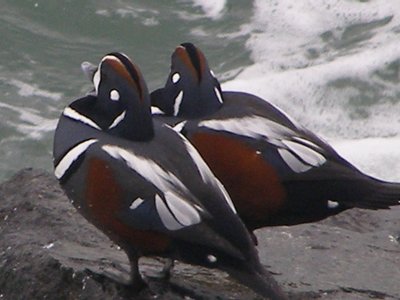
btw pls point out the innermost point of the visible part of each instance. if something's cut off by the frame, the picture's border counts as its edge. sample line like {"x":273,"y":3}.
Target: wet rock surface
{"x":48,"y":251}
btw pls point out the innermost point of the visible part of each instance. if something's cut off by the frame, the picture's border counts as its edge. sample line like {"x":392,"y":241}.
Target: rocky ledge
{"x":48,"y":251}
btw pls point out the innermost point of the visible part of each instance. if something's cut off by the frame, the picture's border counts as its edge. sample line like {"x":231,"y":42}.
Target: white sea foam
{"x":378,"y":157}
{"x":320,"y":61}
{"x":212,"y":8}
{"x":30,"y":122}
{"x":28,"y":90}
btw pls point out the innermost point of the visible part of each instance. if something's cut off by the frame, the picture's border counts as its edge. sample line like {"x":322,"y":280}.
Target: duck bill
{"x":88,"y":69}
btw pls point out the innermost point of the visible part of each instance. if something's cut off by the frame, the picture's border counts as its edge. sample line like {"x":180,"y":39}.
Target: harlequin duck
{"x":276,"y":171}
{"x":145,"y":185}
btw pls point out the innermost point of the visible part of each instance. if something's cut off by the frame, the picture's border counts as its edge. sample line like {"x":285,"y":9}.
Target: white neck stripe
{"x":177,"y":104}
{"x":118,"y":120}
{"x":71,"y":156}
{"x":73,"y":114}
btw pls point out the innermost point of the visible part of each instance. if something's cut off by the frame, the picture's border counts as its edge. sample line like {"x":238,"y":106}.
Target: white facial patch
{"x":175,"y":77}
{"x":177,"y":104}
{"x":118,"y":120}
{"x":218,"y":94}
{"x":71,"y":156}
{"x":73,"y":114}
{"x":114,"y":95}
{"x":96,"y":80}
{"x":97,"y":75}
{"x":212,"y":73}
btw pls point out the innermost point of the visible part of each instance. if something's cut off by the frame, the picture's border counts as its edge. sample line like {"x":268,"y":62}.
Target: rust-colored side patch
{"x":251,"y":182}
{"x":103,"y":196}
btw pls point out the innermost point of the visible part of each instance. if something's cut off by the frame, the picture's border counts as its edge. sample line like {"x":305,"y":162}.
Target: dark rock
{"x":48,"y":251}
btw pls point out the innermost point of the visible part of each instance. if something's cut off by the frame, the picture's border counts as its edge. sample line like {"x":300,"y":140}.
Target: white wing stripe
{"x":165,"y":215}
{"x":276,"y":134}
{"x":184,"y":213}
{"x":71,"y":156}
{"x":254,"y":127}
{"x":293,"y":162}
{"x":308,"y":155}
{"x":73,"y":114}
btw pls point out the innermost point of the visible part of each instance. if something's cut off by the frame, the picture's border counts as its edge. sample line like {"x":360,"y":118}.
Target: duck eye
{"x":176,"y":77}
{"x":114,"y":95}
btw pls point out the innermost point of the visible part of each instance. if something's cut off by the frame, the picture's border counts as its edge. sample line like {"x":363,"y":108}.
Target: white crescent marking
{"x":177,"y":104}
{"x":71,"y":156}
{"x":216,"y":90}
{"x":118,"y":120}
{"x":73,"y":114}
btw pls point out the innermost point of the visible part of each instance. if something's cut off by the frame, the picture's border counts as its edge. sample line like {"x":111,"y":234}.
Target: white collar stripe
{"x":71,"y":156}
{"x":73,"y":114}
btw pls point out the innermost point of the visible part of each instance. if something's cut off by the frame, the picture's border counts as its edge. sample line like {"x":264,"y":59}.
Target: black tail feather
{"x":259,"y":281}
{"x":374,"y":194}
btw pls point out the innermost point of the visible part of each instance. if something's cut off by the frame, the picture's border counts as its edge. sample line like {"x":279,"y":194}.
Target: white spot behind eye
{"x":114,"y":95}
{"x":212,"y":73}
{"x":176,"y":77}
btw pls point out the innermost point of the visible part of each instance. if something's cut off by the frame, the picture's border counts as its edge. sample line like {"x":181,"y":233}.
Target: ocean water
{"x":331,"y":64}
